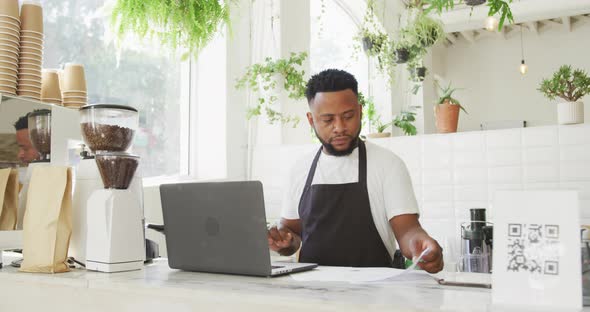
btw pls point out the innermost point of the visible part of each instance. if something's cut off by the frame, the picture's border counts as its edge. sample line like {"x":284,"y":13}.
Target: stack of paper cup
{"x":31,"y":50}
{"x":74,"y":94}
{"x":9,"y":45}
{"x":50,"y":90}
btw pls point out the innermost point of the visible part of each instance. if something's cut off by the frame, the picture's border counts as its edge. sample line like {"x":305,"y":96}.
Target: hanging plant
{"x":501,"y":7}
{"x":375,"y":42}
{"x":262,"y":78}
{"x":179,"y":24}
{"x":474,"y":2}
{"x":425,"y":30}
{"x":371,"y":35}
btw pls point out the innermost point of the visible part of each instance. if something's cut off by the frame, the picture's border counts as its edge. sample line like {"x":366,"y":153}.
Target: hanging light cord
{"x":521,"y":44}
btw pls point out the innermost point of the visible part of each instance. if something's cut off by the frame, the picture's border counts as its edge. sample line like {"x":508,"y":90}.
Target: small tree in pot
{"x":446,"y":110}
{"x":570,"y":85}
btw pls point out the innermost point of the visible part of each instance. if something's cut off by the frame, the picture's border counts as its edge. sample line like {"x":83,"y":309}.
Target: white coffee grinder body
{"x":87,"y":182}
{"x":115,"y":239}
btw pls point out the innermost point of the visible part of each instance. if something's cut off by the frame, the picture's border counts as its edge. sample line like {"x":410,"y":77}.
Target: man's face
{"x":26,"y":152}
{"x":336,"y":120}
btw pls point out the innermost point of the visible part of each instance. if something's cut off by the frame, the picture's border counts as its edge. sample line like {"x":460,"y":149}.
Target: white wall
{"x":494,"y":88}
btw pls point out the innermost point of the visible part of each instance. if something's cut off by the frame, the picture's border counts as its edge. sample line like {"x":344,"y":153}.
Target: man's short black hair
{"x":330,"y":80}
{"x":22,"y":123}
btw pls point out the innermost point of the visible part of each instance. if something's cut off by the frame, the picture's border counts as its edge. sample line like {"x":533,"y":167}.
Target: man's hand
{"x":432,"y":262}
{"x":413,"y":240}
{"x":279,"y":239}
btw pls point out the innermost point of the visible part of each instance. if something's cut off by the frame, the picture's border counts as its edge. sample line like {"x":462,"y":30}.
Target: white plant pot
{"x":570,"y":113}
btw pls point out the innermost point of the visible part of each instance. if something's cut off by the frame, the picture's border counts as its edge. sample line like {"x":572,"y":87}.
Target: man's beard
{"x":332,"y":151}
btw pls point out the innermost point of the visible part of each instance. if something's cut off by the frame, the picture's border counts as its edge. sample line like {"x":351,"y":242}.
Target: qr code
{"x":533,"y":248}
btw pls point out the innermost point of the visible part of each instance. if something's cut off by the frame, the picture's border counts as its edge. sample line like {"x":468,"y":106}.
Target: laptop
{"x":219,"y":227}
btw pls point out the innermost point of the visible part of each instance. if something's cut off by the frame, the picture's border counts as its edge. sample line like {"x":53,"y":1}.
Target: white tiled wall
{"x":454,"y":172}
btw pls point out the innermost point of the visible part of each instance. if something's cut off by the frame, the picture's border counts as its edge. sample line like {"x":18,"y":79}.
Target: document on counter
{"x":361,"y":275}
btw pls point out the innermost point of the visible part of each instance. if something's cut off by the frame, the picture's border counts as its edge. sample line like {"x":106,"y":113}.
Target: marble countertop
{"x":159,"y":288}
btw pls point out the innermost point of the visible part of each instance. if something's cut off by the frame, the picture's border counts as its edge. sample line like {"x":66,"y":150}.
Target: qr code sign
{"x":533,"y":248}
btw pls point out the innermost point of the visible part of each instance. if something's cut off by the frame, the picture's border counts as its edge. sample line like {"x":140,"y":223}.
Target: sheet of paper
{"x":359,"y":275}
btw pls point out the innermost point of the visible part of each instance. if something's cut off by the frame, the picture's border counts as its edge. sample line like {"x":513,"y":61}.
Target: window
{"x":332,"y":46}
{"x":144,"y":76}
{"x":332,"y":43}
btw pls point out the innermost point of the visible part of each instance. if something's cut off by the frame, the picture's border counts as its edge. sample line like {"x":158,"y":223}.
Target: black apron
{"x":337,"y":225}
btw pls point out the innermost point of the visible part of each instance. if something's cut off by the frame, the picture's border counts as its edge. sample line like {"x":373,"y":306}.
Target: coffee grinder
{"x":114,"y":212}
{"x":476,"y":243}
{"x":39,"y":125}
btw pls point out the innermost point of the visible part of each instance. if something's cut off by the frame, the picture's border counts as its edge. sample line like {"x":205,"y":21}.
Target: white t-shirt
{"x":388,"y":184}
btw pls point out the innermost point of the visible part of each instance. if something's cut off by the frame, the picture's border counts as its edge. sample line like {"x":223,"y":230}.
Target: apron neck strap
{"x":362,"y":164}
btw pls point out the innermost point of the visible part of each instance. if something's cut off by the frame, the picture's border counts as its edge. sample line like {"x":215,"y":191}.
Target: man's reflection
{"x":26,"y":152}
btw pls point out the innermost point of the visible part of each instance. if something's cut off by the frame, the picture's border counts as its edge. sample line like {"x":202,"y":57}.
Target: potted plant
{"x":177,"y":24}
{"x":372,"y":119}
{"x":474,"y":2}
{"x":402,"y":54}
{"x":404,"y":120}
{"x":495,"y":6}
{"x":416,"y":69}
{"x":263,"y":78}
{"x":372,"y":41}
{"x":570,"y":85}
{"x":425,"y":30}
{"x":446,"y":110}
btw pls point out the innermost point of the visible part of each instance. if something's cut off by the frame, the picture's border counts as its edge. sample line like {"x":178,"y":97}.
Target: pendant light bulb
{"x":491,"y":23}
{"x":523,"y":68}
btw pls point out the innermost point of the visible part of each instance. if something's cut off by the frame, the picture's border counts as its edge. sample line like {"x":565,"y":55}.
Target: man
{"x":26,"y":152}
{"x":347,"y":204}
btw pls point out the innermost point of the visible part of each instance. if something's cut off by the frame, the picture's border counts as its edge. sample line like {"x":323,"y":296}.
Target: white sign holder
{"x":537,"y":249}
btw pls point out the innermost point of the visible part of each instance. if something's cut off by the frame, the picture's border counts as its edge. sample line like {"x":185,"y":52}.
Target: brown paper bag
{"x":47,"y":226}
{"x":9,"y":198}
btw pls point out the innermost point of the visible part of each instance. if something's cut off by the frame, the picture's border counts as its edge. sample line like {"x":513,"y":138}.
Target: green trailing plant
{"x":447,"y":96}
{"x":567,"y":83}
{"x":375,"y":42}
{"x":501,"y":7}
{"x":184,"y":24}
{"x":262,"y":78}
{"x":321,"y":18}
